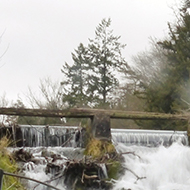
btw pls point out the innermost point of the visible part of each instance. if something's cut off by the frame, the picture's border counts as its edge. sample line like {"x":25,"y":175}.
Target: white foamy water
{"x":147,"y":168}
{"x":161,"y":168}
{"x":164,"y":167}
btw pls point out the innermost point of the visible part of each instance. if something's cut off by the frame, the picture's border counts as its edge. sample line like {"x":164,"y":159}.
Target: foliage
{"x":8,"y":164}
{"x":167,"y":95}
{"x":164,"y":84}
{"x":107,"y":57}
{"x":76,"y":78}
{"x":29,"y":120}
{"x":104,"y":152}
{"x":147,"y":69}
{"x":92,"y":77}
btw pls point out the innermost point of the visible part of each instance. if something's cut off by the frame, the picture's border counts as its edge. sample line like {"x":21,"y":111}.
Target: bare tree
{"x":6,"y":120}
{"x":4,"y":52}
{"x":146,"y":67}
{"x":49,"y":96}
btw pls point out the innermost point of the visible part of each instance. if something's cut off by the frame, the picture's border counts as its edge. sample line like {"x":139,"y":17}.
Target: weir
{"x":43,"y":135}
{"x":35,"y":136}
{"x":149,"y":138}
{"x":72,"y":136}
{"x":100,"y":119}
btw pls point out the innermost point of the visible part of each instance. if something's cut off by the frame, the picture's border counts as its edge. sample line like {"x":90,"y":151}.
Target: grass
{"x":97,"y":148}
{"x":8,"y":164}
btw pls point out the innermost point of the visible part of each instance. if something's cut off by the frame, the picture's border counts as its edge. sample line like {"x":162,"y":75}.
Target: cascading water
{"x":35,"y":136}
{"x":44,"y":168}
{"x":153,"y":160}
{"x":160,"y":168}
{"x":160,"y":162}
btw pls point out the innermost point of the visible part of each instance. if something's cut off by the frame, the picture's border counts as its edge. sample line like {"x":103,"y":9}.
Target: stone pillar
{"x":100,"y":127}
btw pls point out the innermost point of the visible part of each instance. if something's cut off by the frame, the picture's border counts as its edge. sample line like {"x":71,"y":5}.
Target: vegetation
{"x":100,"y":164}
{"x":92,"y":77}
{"x":8,"y":164}
{"x":165,"y":87}
{"x":98,"y":148}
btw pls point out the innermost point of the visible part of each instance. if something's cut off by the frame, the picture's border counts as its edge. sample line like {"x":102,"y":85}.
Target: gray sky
{"x":40,"y":35}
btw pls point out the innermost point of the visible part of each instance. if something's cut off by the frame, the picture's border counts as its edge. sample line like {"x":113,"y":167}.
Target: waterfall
{"x":149,"y":138}
{"x":158,"y":168}
{"x":35,"y":136}
{"x":153,"y":160}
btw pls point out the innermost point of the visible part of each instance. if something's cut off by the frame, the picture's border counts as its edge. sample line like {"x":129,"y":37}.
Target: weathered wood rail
{"x":90,"y":113}
{"x":100,"y":118}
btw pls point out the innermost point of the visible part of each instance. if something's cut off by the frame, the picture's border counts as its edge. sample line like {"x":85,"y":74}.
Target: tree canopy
{"x":167,"y":89}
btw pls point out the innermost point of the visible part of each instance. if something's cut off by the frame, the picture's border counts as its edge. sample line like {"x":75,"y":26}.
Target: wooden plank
{"x":89,"y":113}
{"x":75,"y":113}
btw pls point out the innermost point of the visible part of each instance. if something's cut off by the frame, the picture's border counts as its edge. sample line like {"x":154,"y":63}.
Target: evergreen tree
{"x":174,"y":88}
{"x":170,"y":93}
{"x":105,"y":50}
{"x":92,"y":77}
{"x":168,"y":89}
{"x":75,"y":82}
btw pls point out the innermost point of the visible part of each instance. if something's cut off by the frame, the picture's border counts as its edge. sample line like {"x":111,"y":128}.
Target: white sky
{"x":41,"y":34}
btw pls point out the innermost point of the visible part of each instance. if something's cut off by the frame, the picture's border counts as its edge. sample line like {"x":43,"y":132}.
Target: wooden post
{"x":1,"y":179}
{"x":188,"y":131}
{"x":101,"y":127}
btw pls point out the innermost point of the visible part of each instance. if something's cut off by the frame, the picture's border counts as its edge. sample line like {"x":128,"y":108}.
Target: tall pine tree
{"x":92,"y":77}
{"x":107,"y":58}
{"x":75,"y":78}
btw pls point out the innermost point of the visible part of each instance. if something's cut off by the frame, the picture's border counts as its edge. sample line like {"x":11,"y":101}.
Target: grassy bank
{"x":8,"y":164}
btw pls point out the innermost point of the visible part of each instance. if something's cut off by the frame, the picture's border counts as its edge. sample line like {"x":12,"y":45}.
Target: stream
{"x":153,"y":160}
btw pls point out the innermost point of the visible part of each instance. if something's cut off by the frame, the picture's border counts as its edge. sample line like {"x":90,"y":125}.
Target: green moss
{"x":98,"y":148}
{"x":113,"y":168}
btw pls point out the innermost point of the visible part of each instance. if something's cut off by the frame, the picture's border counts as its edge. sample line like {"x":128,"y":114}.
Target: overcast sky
{"x":39,"y":35}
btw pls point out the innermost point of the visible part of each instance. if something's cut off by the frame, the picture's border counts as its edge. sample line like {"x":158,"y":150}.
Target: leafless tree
{"x":49,"y":96}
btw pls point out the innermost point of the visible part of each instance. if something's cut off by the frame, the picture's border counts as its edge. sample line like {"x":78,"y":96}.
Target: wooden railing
{"x":100,"y":117}
{"x":89,"y":113}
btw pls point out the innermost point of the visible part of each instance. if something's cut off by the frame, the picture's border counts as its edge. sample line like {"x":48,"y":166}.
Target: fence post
{"x":1,"y":179}
{"x":188,"y":131}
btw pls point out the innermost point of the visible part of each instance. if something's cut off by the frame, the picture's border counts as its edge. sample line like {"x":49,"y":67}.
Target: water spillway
{"x":72,"y":136}
{"x":41,"y":135}
{"x":149,"y":138}
{"x":33,"y":136}
{"x":38,"y":135}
